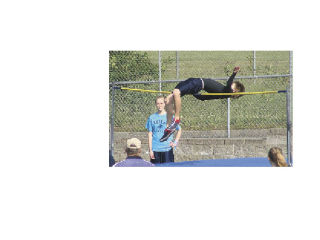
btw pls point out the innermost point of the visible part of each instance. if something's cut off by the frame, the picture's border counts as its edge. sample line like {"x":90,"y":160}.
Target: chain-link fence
{"x":154,"y":70}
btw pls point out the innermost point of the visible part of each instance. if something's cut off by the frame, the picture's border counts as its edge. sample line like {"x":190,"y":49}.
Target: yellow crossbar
{"x":239,"y":93}
{"x":144,"y":90}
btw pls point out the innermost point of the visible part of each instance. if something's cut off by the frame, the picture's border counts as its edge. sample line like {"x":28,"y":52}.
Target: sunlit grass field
{"x":211,"y":64}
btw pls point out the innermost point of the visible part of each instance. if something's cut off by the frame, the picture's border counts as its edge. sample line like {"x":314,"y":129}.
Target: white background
{"x":54,"y":177}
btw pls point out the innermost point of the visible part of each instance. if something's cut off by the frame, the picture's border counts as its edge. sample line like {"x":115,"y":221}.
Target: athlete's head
{"x":237,"y":86}
{"x":160,"y":103}
{"x":276,"y":158}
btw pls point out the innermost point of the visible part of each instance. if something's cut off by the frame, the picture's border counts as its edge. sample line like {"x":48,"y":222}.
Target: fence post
{"x":289,"y":111}
{"x":111,"y":144}
{"x":254,"y":63}
{"x":228,"y":118}
{"x":159,"y":70}
{"x":177,"y":65}
{"x":289,"y":127}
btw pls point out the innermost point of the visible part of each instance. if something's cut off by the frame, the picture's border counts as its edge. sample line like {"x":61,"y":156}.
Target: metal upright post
{"x":290,"y":62}
{"x":111,"y":144}
{"x":254,"y":67}
{"x":254,"y":63}
{"x":291,"y":72}
{"x":289,"y":127}
{"x":228,"y":118}
{"x":290,"y":106}
{"x":159,"y":70}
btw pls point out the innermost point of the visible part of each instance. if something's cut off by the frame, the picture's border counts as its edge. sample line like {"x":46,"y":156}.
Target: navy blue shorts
{"x":163,"y":157}
{"x":190,"y":86}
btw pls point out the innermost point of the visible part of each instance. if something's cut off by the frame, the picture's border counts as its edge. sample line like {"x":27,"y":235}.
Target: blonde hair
{"x":159,"y":98}
{"x":276,"y":158}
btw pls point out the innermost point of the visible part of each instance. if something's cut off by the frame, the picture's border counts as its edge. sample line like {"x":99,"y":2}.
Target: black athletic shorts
{"x":190,"y":86}
{"x":163,"y":157}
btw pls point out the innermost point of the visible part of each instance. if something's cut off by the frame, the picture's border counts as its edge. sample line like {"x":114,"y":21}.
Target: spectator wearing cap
{"x":133,"y":159}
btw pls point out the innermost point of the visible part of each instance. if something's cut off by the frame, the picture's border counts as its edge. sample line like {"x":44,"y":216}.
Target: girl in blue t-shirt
{"x":160,"y":152}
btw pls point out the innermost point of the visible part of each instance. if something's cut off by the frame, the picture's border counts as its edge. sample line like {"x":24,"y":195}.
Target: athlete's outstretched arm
{"x":230,"y":80}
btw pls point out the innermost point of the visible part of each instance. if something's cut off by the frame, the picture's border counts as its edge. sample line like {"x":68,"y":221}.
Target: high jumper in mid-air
{"x":193,"y":86}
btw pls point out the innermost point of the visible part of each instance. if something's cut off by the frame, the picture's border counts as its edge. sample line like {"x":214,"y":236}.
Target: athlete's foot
{"x":173,"y":125}
{"x":167,"y":134}
{"x":170,"y":130}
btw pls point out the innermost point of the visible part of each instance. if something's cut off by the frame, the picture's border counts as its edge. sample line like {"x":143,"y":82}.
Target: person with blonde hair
{"x":160,"y":152}
{"x":276,"y":157}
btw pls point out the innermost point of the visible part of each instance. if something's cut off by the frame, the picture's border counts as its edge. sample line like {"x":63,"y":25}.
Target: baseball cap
{"x":133,"y":143}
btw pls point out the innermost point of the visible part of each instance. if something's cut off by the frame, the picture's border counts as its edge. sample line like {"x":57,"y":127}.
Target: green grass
{"x":211,"y":64}
{"x":249,"y":112}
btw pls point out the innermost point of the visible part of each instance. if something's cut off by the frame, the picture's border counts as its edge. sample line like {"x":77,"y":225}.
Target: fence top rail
{"x":177,"y":80}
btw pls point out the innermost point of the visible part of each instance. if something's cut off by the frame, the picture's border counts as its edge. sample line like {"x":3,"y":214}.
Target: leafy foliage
{"x":131,"y":66}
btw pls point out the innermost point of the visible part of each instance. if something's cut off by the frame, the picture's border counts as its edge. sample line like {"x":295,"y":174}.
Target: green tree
{"x":131,"y":66}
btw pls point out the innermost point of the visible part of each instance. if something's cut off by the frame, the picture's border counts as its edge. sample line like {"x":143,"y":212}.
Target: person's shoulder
{"x":134,"y":162}
{"x":153,"y":115}
{"x":156,"y":115}
{"x":147,"y":163}
{"x":123,"y":163}
{"x":118,"y":164}
{"x":139,"y":161}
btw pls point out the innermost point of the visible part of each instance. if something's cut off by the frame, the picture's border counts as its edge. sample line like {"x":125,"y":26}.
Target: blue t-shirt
{"x":157,"y":124}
